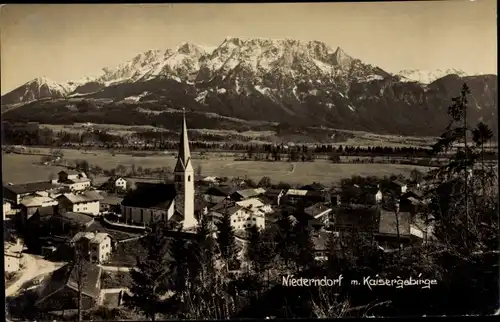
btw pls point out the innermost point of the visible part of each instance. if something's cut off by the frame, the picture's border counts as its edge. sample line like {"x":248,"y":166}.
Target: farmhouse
{"x":255,"y":205}
{"x":75,"y":181}
{"x":398,"y":227}
{"x":30,"y":205}
{"x":84,"y":202}
{"x":242,"y":218}
{"x":110,"y":203}
{"x":319,"y":211}
{"x":60,"y":292}
{"x":304,"y":198}
{"x":12,"y":257}
{"x":247,"y":194}
{"x":97,"y":246}
{"x":172,"y":202}
{"x":216,"y":194}
{"x":15,"y":193}
{"x":114,"y":183}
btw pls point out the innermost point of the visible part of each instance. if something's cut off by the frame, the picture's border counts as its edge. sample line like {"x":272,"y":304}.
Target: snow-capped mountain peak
{"x":427,"y":76}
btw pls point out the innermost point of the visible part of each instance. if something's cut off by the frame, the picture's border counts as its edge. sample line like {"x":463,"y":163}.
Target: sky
{"x":70,"y":41}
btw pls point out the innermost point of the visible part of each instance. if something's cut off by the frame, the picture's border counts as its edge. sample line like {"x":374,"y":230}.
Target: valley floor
{"x":18,"y":168}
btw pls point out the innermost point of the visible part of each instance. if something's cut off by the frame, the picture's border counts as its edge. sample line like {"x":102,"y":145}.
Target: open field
{"x":361,"y":139}
{"x":22,"y":168}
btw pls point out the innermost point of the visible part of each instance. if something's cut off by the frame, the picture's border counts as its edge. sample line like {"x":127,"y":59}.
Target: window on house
{"x":254,"y":219}
{"x":189,"y":178}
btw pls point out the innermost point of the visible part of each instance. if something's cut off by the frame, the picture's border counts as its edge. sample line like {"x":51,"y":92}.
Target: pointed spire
{"x":184,"y":155}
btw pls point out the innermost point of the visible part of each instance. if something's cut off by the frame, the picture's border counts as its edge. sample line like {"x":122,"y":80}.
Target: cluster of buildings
{"x":71,"y":198}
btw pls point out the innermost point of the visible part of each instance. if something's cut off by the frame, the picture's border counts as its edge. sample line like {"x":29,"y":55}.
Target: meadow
{"x":18,"y":168}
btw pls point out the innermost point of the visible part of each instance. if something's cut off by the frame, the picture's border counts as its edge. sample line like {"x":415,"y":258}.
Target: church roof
{"x":150,"y":195}
{"x":184,"y":155}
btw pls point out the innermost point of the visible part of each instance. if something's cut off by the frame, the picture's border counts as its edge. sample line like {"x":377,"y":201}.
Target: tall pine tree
{"x":226,"y":242}
{"x":150,"y":277}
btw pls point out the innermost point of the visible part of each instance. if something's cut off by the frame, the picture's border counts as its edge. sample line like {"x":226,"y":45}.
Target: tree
{"x":80,"y":268}
{"x":264,"y":182}
{"x":198,"y":170}
{"x":252,"y":250}
{"x":416,"y":176}
{"x":304,"y":250}
{"x":150,"y":277}
{"x":466,"y":218}
{"x":226,"y":240}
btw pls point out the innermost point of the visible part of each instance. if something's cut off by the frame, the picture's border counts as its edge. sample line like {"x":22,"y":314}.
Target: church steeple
{"x":184,"y":179}
{"x":184,"y":155}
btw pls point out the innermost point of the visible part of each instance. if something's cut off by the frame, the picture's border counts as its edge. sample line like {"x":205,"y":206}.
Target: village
{"x":51,"y":222}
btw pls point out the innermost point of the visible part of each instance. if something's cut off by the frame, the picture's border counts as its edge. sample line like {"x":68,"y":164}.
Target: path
{"x":34,"y":266}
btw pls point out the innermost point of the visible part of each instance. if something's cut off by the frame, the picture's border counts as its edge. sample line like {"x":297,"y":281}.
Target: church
{"x":172,"y":202}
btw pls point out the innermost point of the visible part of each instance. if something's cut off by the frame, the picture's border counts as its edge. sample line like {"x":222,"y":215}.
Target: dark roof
{"x":77,"y":217}
{"x":316,"y":209}
{"x":399,"y":183}
{"x":306,"y":218}
{"x":223,"y":204}
{"x":111,"y":200}
{"x":413,"y":193}
{"x":388,"y":223}
{"x":150,"y":195}
{"x":69,"y":172}
{"x":30,"y":187}
{"x":362,"y":218}
{"x":233,"y":209}
{"x":272,"y":192}
{"x":46,"y":211}
{"x":371,"y":189}
{"x":222,"y":190}
{"x":316,"y":186}
{"x":67,"y":275}
{"x":79,"y":197}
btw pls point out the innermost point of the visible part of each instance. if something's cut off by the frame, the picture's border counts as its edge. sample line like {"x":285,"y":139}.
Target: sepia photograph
{"x":216,"y":161}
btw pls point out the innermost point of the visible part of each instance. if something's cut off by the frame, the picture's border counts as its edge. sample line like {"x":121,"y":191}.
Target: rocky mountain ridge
{"x":291,"y":81}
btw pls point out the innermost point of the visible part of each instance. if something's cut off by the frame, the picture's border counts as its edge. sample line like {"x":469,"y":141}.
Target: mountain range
{"x":298,"y":83}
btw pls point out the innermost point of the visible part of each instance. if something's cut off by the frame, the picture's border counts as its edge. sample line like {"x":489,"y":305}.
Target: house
{"x":356,"y":218}
{"x":320,"y":242}
{"x":396,"y":187}
{"x":60,"y":291}
{"x":406,"y":233}
{"x":305,"y":219}
{"x":274,"y":195}
{"x":14,"y":193}
{"x":319,"y":211}
{"x":30,"y":204}
{"x":242,"y":218}
{"x":12,"y":257}
{"x":247,"y":194}
{"x":212,"y":180}
{"x":110,"y":203}
{"x":81,"y":220}
{"x":85,"y":202}
{"x":315,"y":186}
{"x":6,"y":209}
{"x":74,"y":180}
{"x":214,"y":195}
{"x":114,"y":183}
{"x":12,"y":262}
{"x":96,"y":245}
{"x":255,"y":205}
{"x":373,"y":195}
{"x":303,"y":198}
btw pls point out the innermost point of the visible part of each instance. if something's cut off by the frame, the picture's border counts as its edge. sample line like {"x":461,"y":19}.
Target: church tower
{"x":184,"y":179}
